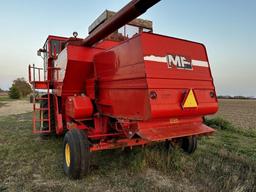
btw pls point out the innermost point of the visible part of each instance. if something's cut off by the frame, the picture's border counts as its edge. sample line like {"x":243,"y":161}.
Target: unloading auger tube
{"x":129,"y":12}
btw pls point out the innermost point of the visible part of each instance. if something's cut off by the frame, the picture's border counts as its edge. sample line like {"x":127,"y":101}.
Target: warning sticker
{"x":190,"y":100}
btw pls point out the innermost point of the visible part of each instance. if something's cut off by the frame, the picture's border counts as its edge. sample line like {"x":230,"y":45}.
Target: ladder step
{"x":41,"y":109}
{"x":40,"y":84}
{"x":41,"y":98}
{"x":41,"y":131}
{"x":40,"y":120}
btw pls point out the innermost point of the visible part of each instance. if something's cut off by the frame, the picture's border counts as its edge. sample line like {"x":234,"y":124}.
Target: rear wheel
{"x":76,"y":154}
{"x":189,"y":144}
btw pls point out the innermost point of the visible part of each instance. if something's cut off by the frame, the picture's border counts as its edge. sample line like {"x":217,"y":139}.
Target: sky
{"x":226,"y":27}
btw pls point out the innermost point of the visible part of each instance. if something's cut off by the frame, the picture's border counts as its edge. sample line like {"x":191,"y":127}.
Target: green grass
{"x":5,"y":98}
{"x":225,"y":161}
{"x":2,"y":104}
{"x":222,"y":124}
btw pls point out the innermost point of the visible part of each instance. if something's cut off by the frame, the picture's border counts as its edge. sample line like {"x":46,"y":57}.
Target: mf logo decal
{"x":179,"y":62}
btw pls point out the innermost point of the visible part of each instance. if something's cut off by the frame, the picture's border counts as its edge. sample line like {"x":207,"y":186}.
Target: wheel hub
{"x":67,"y":154}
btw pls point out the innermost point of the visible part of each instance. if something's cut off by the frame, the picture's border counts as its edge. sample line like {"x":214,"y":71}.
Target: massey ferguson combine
{"x":122,"y":86}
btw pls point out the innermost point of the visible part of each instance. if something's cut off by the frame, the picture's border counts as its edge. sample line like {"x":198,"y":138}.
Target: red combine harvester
{"x":122,"y":86}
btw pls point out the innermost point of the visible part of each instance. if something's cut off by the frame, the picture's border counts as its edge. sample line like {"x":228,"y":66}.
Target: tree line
{"x":20,"y":88}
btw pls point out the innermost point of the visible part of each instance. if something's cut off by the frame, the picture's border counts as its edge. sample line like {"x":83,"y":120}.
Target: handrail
{"x":33,"y":70}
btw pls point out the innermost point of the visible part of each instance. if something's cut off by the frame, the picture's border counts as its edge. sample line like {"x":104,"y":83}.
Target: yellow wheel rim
{"x":67,"y":154}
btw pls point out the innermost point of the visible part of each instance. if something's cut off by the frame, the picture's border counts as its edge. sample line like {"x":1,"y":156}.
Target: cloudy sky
{"x":227,"y":28}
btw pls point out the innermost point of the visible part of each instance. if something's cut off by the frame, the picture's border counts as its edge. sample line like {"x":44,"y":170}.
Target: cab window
{"x":55,"y":47}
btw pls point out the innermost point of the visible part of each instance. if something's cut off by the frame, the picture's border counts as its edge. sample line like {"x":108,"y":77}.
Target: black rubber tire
{"x":44,"y":104}
{"x":204,"y":119}
{"x":79,"y":154}
{"x":31,"y":98}
{"x":168,"y":145}
{"x":189,"y":144}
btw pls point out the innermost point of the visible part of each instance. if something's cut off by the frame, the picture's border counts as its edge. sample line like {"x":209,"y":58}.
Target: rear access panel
{"x":178,"y":74}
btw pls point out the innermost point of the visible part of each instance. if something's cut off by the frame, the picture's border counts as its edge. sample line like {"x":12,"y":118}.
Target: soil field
{"x":11,"y":107}
{"x":241,"y":113}
{"x":225,"y":161}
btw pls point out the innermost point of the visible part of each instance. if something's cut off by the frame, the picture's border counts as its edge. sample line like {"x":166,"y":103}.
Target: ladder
{"x":39,"y":121}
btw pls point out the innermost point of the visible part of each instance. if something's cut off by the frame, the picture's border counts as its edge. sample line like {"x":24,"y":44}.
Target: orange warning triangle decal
{"x":190,"y":100}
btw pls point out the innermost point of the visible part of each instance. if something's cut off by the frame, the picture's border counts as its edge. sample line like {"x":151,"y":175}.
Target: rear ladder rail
{"x":39,"y":84}
{"x":38,"y":113}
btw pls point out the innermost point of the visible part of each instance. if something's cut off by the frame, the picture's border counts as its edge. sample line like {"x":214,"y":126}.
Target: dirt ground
{"x":225,"y":161}
{"x":241,"y":113}
{"x":15,"y":107}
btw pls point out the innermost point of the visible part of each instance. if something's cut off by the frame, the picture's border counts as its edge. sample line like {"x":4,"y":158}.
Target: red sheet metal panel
{"x":122,"y":85}
{"x":75,"y":63}
{"x":169,"y":128}
{"x":171,"y":79}
{"x":79,"y":107}
{"x":128,"y":75}
{"x":159,"y":134}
